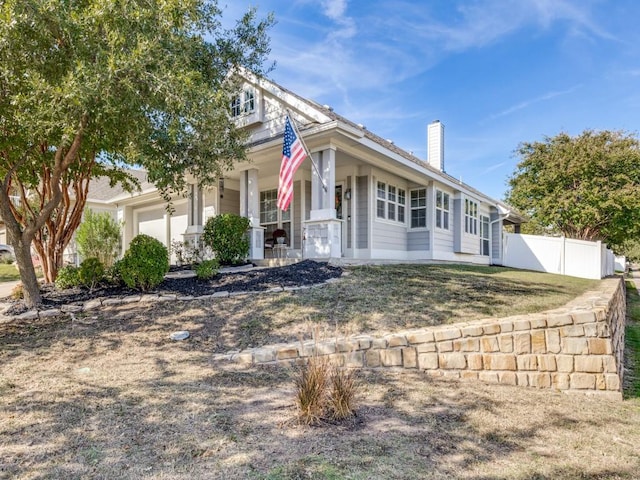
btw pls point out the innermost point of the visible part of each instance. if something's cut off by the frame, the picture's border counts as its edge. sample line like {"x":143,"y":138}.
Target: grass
{"x":409,"y":296}
{"x":632,"y":342}
{"x":8,"y":273}
{"x":367,"y":299}
{"x":109,"y":395}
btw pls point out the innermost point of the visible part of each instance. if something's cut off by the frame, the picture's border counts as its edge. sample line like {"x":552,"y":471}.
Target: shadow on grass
{"x":631,"y":380}
{"x":369,"y":299}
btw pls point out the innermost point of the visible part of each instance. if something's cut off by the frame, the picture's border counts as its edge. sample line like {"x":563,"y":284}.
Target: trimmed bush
{"x":68,"y":277}
{"x":144,"y":264}
{"x":226,"y":235}
{"x":207,"y":269}
{"x":91,"y":272}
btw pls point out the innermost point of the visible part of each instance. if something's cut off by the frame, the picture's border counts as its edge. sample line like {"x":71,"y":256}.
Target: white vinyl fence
{"x":565,"y":256}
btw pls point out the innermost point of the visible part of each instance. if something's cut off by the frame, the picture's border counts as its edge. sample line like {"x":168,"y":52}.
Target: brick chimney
{"x":435,"y":145}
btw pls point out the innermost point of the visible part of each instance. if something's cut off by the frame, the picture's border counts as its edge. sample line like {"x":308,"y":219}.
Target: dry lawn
{"x":110,"y":396}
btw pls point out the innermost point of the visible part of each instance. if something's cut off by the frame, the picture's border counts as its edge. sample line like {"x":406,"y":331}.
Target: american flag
{"x":293,"y":153}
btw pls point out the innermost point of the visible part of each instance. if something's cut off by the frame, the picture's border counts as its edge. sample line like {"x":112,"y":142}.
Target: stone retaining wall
{"x":576,"y":348}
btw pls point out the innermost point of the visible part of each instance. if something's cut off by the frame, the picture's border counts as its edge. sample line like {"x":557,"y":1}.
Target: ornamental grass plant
{"x":342,"y":394}
{"x":311,"y":381}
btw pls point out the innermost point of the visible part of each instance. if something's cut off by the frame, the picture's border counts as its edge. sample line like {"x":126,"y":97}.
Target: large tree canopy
{"x":585,"y":187}
{"x":92,"y":86}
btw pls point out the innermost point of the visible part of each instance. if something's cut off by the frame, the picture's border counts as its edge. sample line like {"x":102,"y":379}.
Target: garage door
{"x":179,"y":222}
{"x":152,"y":223}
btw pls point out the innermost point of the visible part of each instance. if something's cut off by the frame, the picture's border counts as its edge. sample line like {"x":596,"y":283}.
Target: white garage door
{"x":152,"y":223}
{"x":179,"y":221}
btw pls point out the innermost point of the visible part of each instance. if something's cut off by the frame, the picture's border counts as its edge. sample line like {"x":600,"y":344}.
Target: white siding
{"x":417,"y":240}
{"x":230,"y":201}
{"x":442,"y":240}
{"x":389,"y":237}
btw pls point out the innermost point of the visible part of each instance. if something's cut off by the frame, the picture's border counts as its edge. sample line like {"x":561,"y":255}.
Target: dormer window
{"x":244,"y":103}
{"x":235,"y":107}
{"x":249,"y":104}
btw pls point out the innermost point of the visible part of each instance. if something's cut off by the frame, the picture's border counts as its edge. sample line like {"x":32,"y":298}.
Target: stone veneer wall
{"x":576,"y":348}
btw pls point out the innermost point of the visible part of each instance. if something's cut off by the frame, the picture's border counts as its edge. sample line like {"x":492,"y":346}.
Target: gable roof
{"x":331,"y":116}
{"x":100,"y":190}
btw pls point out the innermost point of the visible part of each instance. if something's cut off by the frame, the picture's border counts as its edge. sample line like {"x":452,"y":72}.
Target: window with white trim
{"x":419,"y":208}
{"x":442,"y":210}
{"x":390,"y":202}
{"x":484,"y":235}
{"x":243,"y":103}
{"x":271,"y":216}
{"x":470,"y":217}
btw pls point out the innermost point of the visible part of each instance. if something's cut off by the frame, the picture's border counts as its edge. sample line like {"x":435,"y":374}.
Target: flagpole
{"x":304,"y":145}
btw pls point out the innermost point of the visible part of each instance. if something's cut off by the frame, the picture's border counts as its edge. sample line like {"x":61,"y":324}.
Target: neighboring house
{"x":381,"y":202}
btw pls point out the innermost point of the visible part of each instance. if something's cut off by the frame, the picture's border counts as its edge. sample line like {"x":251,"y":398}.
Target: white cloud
{"x":334,"y":9}
{"x":493,"y":167}
{"x":378,"y":45}
{"x":527,"y":103}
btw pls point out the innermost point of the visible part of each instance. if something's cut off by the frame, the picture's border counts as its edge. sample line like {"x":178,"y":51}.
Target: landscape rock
{"x":181,"y":335}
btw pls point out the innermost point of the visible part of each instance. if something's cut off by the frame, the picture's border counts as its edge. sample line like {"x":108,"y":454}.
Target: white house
{"x":381,"y":202}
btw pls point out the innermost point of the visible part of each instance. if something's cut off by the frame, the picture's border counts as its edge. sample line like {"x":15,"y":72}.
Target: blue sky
{"x":494,"y":72}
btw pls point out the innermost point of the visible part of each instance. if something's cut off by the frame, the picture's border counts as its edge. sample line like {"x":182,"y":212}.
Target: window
{"x":271,"y":217}
{"x":484,"y":235}
{"x":243,"y":103}
{"x":268,"y":207}
{"x":419,"y":208}
{"x":442,"y":210}
{"x":249,"y":104}
{"x":235,"y":107}
{"x":470,"y":217}
{"x":390,"y":202}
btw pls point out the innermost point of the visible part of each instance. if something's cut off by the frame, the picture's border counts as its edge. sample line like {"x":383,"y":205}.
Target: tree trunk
{"x":30,"y":285}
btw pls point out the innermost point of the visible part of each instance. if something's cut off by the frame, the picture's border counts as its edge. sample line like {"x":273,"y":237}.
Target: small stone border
{"x":145,"y":298}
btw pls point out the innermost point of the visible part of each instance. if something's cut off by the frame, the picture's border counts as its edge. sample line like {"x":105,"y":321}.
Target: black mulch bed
{"x":307,"y":272}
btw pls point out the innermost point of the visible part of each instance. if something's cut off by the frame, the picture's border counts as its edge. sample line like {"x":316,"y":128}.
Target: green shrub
{"x":112,"y":274}
{"x":226,"y":235}
{"x":91,"y":272}
{"x":207,"y":269}
{"x":144,"y":263}
{"x":99,"y":236}
{"x":68,"y":277}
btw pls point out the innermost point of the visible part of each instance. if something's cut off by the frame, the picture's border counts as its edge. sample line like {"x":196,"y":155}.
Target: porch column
{"x":124,"y":215}
{"x":250,"y":208}
{"x":194,"y":215}
{"x":323,"y":231}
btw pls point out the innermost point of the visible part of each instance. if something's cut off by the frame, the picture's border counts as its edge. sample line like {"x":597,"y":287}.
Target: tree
{"x":585,"y":187}
{"x":88,"y":88}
